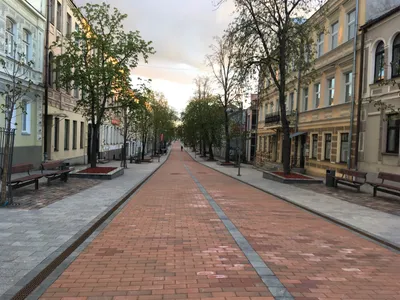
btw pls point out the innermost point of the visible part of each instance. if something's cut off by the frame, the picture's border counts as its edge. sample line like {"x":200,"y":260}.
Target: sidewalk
{"x":382,"y":226}
{"x":31,"y":239}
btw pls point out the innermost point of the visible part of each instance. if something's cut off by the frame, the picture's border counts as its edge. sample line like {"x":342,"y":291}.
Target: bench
{"x":58,"y":171}
{"x":17,"y":183}
{"x":384,"y":187}
{"x":349,"y":178}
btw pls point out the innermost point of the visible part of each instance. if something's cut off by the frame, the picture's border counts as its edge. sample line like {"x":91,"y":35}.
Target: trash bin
{"x":330,"y":178}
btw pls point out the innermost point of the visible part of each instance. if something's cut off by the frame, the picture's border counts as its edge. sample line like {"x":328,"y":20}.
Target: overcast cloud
{"x":181,"y":31}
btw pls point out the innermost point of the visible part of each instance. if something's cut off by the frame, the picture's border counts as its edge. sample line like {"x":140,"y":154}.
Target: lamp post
{"x":240,"y":136}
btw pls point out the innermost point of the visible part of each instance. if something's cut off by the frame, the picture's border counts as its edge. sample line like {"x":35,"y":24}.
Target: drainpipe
{"x":359,"y":102}
{"x":46,"y":84}
{"x":353,"y":87}
{"x":296,"y":128}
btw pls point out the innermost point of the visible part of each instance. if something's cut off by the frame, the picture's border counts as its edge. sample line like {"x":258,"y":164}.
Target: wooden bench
{"x":384,"y":187}
{"x":17,"y":183}
{"x":58,"y":171}
{"x":349,"y":178}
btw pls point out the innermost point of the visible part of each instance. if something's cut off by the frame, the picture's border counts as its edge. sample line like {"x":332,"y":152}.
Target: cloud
{"x":181,"y":32}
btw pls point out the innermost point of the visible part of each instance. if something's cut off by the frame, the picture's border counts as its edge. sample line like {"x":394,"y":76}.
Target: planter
{"x":102,"y":173}
{"x":291,"y":178}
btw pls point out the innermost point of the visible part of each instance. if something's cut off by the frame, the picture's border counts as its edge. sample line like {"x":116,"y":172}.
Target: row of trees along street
{"x":97,"y":60}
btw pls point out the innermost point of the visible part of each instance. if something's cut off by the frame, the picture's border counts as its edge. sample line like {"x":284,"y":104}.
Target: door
{"x":302,"y":150}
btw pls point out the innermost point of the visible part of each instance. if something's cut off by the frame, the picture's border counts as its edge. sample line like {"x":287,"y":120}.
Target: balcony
{"x":275,"y":117}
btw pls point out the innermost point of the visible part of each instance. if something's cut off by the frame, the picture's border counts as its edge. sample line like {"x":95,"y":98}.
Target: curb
{"x":383,"y":242}
{"x":26,"y":285}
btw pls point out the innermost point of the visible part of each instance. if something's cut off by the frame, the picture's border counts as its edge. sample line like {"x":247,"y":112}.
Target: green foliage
{"x":97,"y":58}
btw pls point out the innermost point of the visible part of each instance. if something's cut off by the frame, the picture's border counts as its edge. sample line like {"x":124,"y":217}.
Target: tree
{"x":228,"y":79}
{"x":142,"y":124}
{"x":272,"y":35}
{"x":19,"y":85}
{"x":96,"y":60}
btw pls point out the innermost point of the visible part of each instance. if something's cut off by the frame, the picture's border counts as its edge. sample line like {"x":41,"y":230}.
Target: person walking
{"x":181,"y":148}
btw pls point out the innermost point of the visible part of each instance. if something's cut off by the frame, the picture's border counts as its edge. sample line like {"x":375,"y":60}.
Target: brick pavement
{"x":168,"y":243}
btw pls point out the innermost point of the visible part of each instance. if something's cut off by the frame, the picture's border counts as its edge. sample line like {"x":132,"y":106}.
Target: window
{"x":344,"y":147}
{"x":50,"y":69}
{"x":361,"y":142}
{"x":76,"y":30}
{"x":56,"y":133}
{"x":10,"y":34}
{"x":334,"y":35}
{"x":320,"y":44}
{"x":351,"y":24}
{"x":82,"y":135}
{"x":379,"y":62}
{"x":314,"y":152}
{"x":76,"y":93}
{"x":393,"y":131}
{"x":291,"y":101}
{"x":396,"y":57}
{"x":59,"y":13}
{"x":74,"y":134}
{"x":331,"y":90}
{"x":348,"y":80}
{"x":305,"y":99}
{"x":328,"y":146}
{"x":26,"y":117}
{"x":57,"y":73}
{"x":51,"y":13}
{"x":69,"y":24}
{"x":26,"y":41}
{"x":317,"y":92}
{"x":66,"y":135}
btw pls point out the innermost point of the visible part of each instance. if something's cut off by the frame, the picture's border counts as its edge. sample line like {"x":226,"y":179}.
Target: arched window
{"x":396,"y":57}
{"x":380,"y":62}
{"x":10,"y":36}
{"x":50,"y":70}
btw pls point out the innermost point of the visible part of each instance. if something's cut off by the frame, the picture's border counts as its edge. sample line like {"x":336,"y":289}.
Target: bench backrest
{"x":389,"y":176}
{"x":21,"y":168}
{"x":52,"y":165}
{"x":353,"y":173}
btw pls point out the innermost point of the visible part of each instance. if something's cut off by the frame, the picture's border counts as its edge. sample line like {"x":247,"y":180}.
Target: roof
{"x":380,"y":18}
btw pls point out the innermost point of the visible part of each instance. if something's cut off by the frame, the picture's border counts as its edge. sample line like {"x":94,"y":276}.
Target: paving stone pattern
{"x":29,"y":238}
{"x":171,"y":242}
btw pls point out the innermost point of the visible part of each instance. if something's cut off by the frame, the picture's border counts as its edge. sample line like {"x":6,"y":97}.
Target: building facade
{"x":319,"y":109}
{"x":22,"y":28}
{"x":67,"y":131}
{"x":380,"y":128}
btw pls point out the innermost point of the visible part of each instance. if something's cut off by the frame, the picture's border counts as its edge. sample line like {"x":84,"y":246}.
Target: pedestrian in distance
{"x":181,"y":148}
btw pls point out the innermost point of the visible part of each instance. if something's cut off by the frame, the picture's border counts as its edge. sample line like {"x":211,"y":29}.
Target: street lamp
{"x":240,"y":136}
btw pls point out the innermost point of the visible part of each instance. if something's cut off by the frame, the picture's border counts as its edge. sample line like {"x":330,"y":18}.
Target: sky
{"x":181,"y":32}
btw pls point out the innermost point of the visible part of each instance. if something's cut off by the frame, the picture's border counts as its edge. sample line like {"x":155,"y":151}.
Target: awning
{"x":297,"y":134}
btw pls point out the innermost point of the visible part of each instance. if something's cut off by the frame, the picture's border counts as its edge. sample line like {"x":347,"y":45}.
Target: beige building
{"x":380,"y":129}
{"x":66,"y":130}
{"x":324,"y":104}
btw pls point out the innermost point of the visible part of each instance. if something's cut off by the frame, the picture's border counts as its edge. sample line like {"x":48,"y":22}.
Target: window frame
{"x":320,"y":44}
{"x":331,"y":90}
{"x":69,"y":25}
{"x":314,"y":154}
{"x":26,"y":118}
{"x":342,"y":134}
{"x":330,"y":146}
{"x":396,"y":49}
{"x":27,"y":44}
{"x":10,"y":35}
{"x":56,"y":134}
{"x":305,"y":98}
{"x":351,"y":23}
{"x":317,"y":100}
{"x":52,"y":4}
{"x":379,"y":74}
{"x":74,"y":134}
{"x":59,"y":16}
{"x":82,"y":133}
{"x":334,"y":35}
{"x":396,"y":129}
{"x":66,"y":134}
{"x":348,"y":86}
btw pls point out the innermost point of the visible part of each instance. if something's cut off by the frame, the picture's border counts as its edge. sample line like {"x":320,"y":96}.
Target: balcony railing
{"x":275,"y":117}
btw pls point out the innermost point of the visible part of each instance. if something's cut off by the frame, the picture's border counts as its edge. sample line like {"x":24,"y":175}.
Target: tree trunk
{"x":204,"y":148}
{"x":6,"y":162}
{"x":93,"y":149}
{"x":123,"y":160}
{"x":227,"y":138}
{"x":211,"y":153}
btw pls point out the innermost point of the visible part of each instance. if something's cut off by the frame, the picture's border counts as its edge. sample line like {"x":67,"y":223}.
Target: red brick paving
{"x":168,"y":243}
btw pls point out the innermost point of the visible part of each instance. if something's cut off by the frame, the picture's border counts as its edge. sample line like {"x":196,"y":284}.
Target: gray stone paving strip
{"x":379,"y":227}
{"x":61,"y":224}
{"x":276,"y":288}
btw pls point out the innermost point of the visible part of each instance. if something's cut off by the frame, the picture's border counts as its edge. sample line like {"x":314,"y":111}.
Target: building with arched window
{"x":22,"y":30}
{"x":379,"y":128}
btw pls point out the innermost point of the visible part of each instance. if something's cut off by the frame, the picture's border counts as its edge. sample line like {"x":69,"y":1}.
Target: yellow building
{"x":66,"y":130}
{"x":323,"y":101}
